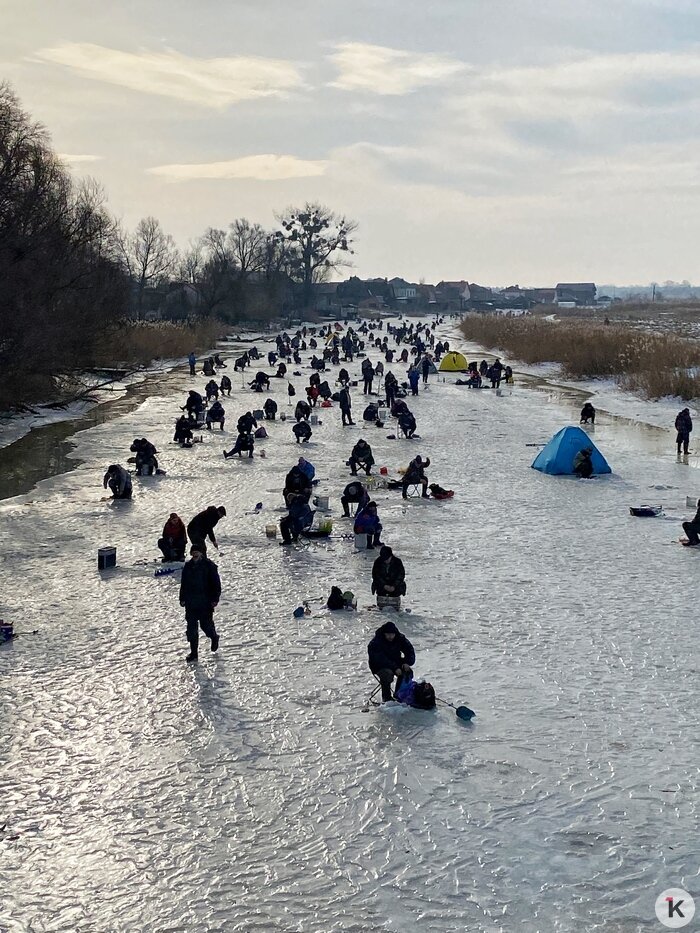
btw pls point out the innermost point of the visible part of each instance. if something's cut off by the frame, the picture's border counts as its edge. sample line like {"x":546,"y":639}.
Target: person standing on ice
{"x":202,"y":527}
{"x":413,"y":379}
{"x":200,"y":592}
{"x":390,"y":654}
{"x":684,"y":425}
{"x":345,"y":406}
{"x":192,"y":360}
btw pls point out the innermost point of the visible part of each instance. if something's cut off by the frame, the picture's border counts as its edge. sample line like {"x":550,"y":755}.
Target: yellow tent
{"x":453,"y":363}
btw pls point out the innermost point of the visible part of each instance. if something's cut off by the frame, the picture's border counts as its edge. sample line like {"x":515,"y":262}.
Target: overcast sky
{"x":499,"y":141}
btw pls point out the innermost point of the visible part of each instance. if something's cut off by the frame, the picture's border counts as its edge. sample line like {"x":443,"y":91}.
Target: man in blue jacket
{"x":367,"y":523}
{"x":200,"y":591}
{"x":391,"y":655}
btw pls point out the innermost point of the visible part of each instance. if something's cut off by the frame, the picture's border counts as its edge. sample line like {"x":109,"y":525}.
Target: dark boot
{"x":214,"y":642}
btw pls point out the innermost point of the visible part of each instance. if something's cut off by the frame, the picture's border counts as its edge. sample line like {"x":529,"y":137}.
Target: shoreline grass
{"x":655,"y":365}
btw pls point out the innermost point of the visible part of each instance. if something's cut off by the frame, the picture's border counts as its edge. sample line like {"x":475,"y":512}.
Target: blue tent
{"x":558,"y":456}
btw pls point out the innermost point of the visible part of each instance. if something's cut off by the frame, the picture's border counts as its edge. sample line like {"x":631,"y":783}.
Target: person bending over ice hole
{"x":300,"y":517}
{"x":200,"y":592}
{"x":245,"y":443}
{"x":692,"y":529}
{"x":271,"y":358}
{"x":183,"y":432}
{"x":302,"y":431}
{"x":174,"y":541}
{"x":270,"y":409}
{"x":354,"y":492}
{"x":684,"y":425}
{"x":367,"y":523}
{"x":587,"y":414}
{"x":225,"y":385}
{"x":302,"y":411}
{"x":390,"y":654}
{"x":246,"y":423}
{"x":361,"y":456}
{"x":407,"y":423}
{"x":219,"y":362}
{"x":415,"y":476}
{"x":194,"y":406}
{"x":583,"y":465}
{"x":145,"y":458}
{"x":297,"y":484}
{"x":119,"y":481}
{"x":261,"y":383}
{"x":216,"y":415}
{"x":202,"y":527}
{"x":211,"y":390}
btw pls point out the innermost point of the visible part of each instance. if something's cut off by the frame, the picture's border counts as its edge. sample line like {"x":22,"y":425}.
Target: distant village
{"x":357,"y":296}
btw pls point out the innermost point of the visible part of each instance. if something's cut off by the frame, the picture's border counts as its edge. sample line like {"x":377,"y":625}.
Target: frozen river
{"x":250,"y":792}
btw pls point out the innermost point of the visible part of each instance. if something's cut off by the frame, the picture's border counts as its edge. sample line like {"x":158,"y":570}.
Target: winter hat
{"x":385,"y":551}
{"x":388,"y":628}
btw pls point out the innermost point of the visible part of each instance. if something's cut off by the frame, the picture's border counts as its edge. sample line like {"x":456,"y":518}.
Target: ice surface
{"x":251,"y":793}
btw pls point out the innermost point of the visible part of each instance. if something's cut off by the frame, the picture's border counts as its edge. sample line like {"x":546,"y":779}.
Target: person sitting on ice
{"x":219,"y":362}
{"x":692,"y":528}
{"x":302,"y":412}
{"x":398,"y":408}
{"x":225,"y":385}
{"x":119,"y":481}
{"x":587,"y":414}
{"x":367,"y":523}
{"x":216,"y":415}
{"x":270,"y":409}
{"x":407,"y":423}
{"x":300,"y":517}
{"x":302,"y":431}
{"x":173,"y":543}
{"x":361,"y":456}
{"x":183,"y":432}
{"x":583,"y":465}
{"x":390,"y":655}
{"x":415,"y":476}
{"x":245,"y":443}
{"x":211,"y":390}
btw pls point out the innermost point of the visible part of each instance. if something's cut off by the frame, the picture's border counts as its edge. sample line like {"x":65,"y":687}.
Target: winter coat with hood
{"x":684,"y":423}
{"x":200,"y":585}
{"x":388,"y":570}
{"x":392,"y":654}
{"x":203,"y":524}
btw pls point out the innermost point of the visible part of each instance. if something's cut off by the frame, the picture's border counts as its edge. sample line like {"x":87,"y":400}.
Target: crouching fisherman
{"x":174,"y":541}
{"x":391,"y":655}
{"x":200,"y":591}
{"x":119,"y":481}
{"x":183,"y":432}
{"x":300,"y":517}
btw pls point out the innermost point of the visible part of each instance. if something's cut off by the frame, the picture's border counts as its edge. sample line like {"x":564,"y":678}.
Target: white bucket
{"x":321,"y":502}
{"x":314,"y":419}
{"x":361,"y":542}
{"x":271,"y":531}
{"x":691,"y":502}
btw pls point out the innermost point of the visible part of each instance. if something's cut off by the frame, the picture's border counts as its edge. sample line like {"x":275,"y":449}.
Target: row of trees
{"x":242,"y":271}
{"x":71,"y":276}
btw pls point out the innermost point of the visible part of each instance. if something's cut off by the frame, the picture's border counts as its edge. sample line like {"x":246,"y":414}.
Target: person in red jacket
{"x":173,"y":544}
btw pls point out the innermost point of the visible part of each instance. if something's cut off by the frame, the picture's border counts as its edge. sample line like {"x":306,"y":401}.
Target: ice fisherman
{"x":587,"y":414}
{"x":583,"y":465}
{"x":388,"y":574}
{"x":354,"y":492}
{"x":415,"y":476}
{"x":684,"y":425}
{"x":192,"y":360}
{"x":390,"y":655}
{"x":361,"y":456}
{"x":202,"y":527}
{"x":173,"y":543}
{"x":367,"y":523}
{"x":200,"y":592}
{"x":119,"y":481}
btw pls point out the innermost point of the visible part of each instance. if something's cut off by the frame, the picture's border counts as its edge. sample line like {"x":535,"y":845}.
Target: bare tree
{"x":150,"y":257}
{"x":316,"y":237}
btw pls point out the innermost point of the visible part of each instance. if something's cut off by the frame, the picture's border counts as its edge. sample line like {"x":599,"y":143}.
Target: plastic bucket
{"x":106,"y":558}
{"x":314,"y":419}
{"x":271,"y":531}
{"x":321,"y":502}
{"x":6,"y":631}
{"x":361,"y":542}
{"x":326,"y":526}
{"x":691,"y":502}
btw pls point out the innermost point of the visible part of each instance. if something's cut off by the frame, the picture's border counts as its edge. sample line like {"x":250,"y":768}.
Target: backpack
{"x":423,"y":696}
{"x":291,"y":390}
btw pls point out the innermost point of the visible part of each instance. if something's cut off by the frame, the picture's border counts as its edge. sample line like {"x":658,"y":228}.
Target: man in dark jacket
{"x":246,"y":423}
{"x":684,"y":425}
{"x":388,"y":574}
{"x":693,"y":528}
{"x":297,"y":483}
{"x":367,"y":376}
{"x":345,"y":406}
{"x":270,"y":409}
{"x":119,"y":481}
{"x":415,"y":476}
{"x":391,"y":655}
{"x":200,"y":591}
{"x":353,"y":492}
{"x":202,"y":527}
{"x":583,"y":464}
{"x":361,"y":456}
{"x":300,"y":517}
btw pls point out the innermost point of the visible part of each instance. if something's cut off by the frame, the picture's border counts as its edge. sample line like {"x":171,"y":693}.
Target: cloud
{"x":213,"y":82}
{"x":77,"y":159}
{"x":260,"y":167}
{"x":379,"y":70}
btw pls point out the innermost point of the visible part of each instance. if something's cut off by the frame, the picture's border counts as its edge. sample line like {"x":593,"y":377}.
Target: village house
{"x":576,"y":294}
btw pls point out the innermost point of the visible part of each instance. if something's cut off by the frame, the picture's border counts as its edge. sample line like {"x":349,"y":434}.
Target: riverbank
{"x":655,"y":366}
